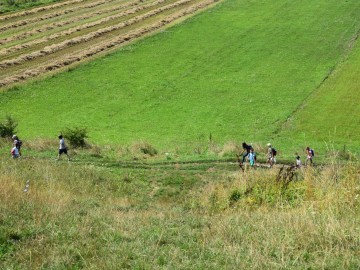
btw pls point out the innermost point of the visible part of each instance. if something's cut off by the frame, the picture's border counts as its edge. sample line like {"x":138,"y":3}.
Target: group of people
{"x":16,"y":149}
{"x":248,"y":153}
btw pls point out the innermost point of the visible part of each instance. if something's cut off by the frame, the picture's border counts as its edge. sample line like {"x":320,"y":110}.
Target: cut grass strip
{"x":100,"y":23}
{"x":47,"y":27}
{"x":65,"y":61}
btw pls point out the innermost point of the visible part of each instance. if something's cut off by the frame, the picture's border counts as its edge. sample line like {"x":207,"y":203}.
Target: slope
{"x":329,"y":118}
{"x":237,"y":71}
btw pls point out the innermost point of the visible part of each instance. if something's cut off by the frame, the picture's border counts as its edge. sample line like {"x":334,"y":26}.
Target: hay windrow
{"x":70,"y":59}
{"x":56,"y":47}
{"x":52,"y":15}
{"x":78,"y":28}
{"x":54,"y":25}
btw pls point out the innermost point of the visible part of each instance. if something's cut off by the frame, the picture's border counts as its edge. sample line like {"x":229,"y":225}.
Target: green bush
{"x":234,"y":197}
{"x":8,"y":127}
{"x":76,"y":137}
{"x":10,"y":2}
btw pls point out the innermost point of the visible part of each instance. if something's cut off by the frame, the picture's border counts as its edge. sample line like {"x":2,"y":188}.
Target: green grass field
{"x":331,"y":113}
{"x":281,"y":71}
{"x":237,"y":72}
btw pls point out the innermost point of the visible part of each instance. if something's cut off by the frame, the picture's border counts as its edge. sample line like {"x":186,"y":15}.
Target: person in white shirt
{"x":17,"y":143}
{"x":298,"y":161}
{"x":62,"y":147}
{"x":15,"y":152}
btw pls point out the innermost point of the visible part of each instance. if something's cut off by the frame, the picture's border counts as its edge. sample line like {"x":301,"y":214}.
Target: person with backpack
{"x":62,"y":147}
{"x":271,"y":155}
{"x":246,"y":151}
{"x":309,"y":156}
{"x":17,"y":143}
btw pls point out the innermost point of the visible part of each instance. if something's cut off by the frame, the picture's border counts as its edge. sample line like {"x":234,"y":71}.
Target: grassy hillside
{"x":283,"y":71}
{"x":331,"y":114}
{"x":78,"y":216}
{"x":237,"y":72}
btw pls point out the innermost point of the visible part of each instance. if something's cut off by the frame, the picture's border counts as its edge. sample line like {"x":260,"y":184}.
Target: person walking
{"x":246,"y":151}
{"x":18,"y":143}
{"x":15,"y":152}
{"x":298,"y":162}
{"x":271,"y":155}
{"x":62,"y":147}
{"x":251,"y":158}
{"x":309,"y":156}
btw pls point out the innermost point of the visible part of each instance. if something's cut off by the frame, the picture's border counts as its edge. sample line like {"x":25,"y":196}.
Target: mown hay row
{"x":39,"y":9}
{"x":78,"y":28}
{"x":56,"y":47}
{"x":71,"y":59}
{"x":63,"y":23}
{"x":52,"y":15}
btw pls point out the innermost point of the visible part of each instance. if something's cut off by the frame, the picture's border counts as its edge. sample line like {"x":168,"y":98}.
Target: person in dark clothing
{"x":246,"y":151}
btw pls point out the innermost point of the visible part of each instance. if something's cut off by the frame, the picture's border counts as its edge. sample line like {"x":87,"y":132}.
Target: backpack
{"x":312,"y":152}
{"x":273,"y":151}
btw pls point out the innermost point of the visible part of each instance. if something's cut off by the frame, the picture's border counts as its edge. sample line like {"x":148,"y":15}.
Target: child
{"x":271,"y":153}
{"x":17,"y":143}
{"x":310,"y":156}
{"x":15,"y":152}
{"x":298,"y":161}
{"x":62,"y":147}
{"x":251,"y":157}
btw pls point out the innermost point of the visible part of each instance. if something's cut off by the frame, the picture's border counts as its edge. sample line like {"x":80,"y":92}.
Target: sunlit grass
{"x":236,"y":72}
{"x":77,"y":216}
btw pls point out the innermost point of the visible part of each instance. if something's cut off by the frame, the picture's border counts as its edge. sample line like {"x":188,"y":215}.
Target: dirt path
{"x":53,"y":37}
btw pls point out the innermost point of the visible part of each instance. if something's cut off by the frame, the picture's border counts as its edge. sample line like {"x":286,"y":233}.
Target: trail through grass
{"x":81,"y":216}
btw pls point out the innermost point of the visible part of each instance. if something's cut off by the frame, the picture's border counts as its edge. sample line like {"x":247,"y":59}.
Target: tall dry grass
{"x":77,"y":216}
{"x":313,"y":221}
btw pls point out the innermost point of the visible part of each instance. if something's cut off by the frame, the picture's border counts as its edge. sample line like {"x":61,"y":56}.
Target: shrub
{"x":143,"y":148}
{"x":148,"y":149}
{"x":234,"y":197}
{"x":76,"y":136}
{"x":7,"y":128}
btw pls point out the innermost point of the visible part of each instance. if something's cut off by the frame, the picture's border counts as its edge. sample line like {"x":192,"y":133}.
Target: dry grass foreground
{"x":45,"y":39}
{"x":76,"y":216}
